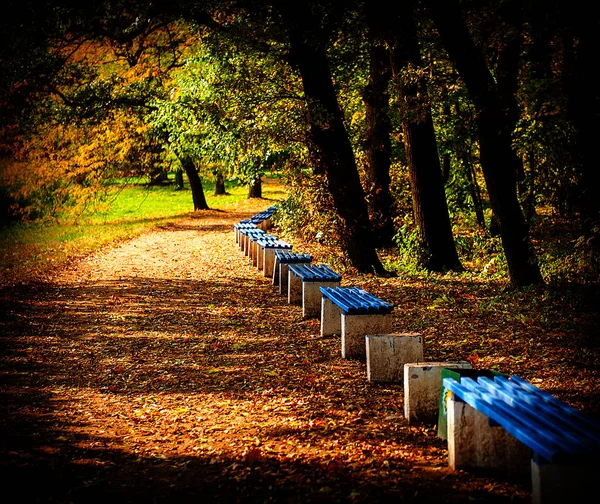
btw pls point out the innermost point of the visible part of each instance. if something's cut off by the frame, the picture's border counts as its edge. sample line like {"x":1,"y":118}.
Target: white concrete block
{"x":268,"y":261}
{"x":311,"y":297}
{"x":422,"y":384}
{"x":294,"y":288}
{"x":354,"y":331}
{"x":475,"y":444}
{"x":331,"y":317}
{"x":283,"y":279}
{"x":560,"y":483}
{"x":387,"y":354}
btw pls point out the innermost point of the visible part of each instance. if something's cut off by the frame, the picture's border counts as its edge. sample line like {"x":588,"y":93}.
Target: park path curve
{"x":167,"y":369}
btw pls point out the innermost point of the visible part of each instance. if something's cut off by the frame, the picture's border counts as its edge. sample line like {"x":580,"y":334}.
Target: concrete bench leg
{"x":331,"y":317}
{"x":260,"y":256}
{"x":268,"y":261}
{"x":354,"y":331}
{"x":475,"y":444}
{"x":387,"y":354}
{"x":294,"y":288}
{"x":422,"y":385}
{"x":559,"y":483}
{"x":311,"y":297}
{"x":275,"y":275}
{"x":283,"y":279}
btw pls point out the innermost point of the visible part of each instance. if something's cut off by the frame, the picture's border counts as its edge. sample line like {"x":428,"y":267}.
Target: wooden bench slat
{"x":356,"y":301}
{"x":554,"y":416}
{"x":313,"y":272}
{"x":512,"y":425}
{"x":287,"y":257}
{"x":538,"y":424}
{"x":573,"y":412}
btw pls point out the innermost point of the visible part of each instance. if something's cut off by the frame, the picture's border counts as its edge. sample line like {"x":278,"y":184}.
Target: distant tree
{"x":378,"y":147}
{"x":427,"y":186}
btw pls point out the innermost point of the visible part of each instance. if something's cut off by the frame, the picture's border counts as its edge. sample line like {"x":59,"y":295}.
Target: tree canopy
{"x":392,"y":125}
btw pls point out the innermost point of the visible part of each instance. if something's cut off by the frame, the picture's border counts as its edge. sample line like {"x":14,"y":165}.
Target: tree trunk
{"x":473,"y":188}
{"x":378,"y":147}
{"x":179,"y":178}
{"x":255,"y":189}
{"x":498,"y":160}
{"x":330,"y":142}
{"x":429,"y":199}
{"x":582,"y":89}
{"x":219,"y":185}
{"x":195,"y":183}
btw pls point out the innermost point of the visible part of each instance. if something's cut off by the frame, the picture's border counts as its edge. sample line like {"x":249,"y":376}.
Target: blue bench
{"x":283,"y":258}
{"x":353,"y":313}
{"x":304,"y":281}
{"x":241,"y":226}
{"x":539,"y":433}
{"x":265,"y":247}
{"x":248,"y":237}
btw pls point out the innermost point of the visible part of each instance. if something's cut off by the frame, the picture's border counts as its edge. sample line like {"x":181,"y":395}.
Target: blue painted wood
{"x":271,"y":241}
{"x":553,"y":430}
{"x":314,"y":272}
{"x":289,"y":257}
{"x":356,"y":301}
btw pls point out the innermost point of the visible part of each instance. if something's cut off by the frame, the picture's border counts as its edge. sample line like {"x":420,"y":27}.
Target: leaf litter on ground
{"x":168,"y":369}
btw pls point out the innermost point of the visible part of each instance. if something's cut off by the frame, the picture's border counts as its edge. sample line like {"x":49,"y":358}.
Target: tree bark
{"x":378,"y":146}
{"x":330,"y":141}
{"x":179,"y":178}
{"x":219,"y":185}
{"x":427,"y":186}
{"x":195,"y":183}
{"x":255,"y":189}
{"x":582,"y":90}
{"x":498,"y":160}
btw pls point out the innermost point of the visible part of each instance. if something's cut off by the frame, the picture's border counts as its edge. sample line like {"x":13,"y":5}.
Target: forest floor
{"x":167,"y":369}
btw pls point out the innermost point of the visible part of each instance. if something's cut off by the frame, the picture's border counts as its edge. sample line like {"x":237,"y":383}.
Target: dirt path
{"x":167,"y":369}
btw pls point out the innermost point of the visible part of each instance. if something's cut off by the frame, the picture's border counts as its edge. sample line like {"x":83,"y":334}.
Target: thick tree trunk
{"x":582,"y":89}
{"x":255,"y":189}
{"x":219,"y":185}
{"x":498,"y":160}
{"x":195,"y":184}
{"x":179,"y":178}
{"x":378,"y":147}
{"x":427,"y":186}
{"x":334,"y":154}
{"x":473,"y":188}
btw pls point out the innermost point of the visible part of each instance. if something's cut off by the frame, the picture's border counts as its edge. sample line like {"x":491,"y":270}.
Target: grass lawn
{"x":126,"y":211}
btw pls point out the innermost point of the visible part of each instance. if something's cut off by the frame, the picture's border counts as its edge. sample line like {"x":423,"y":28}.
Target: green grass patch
{"x":126,"y":211}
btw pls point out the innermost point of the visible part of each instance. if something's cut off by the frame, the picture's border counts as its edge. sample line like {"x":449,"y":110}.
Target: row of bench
{"x":351,"y":312}
{"x":497,"y":422}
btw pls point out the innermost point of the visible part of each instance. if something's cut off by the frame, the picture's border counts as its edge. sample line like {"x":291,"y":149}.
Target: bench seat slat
{"x":553,"y":416}
{"x":337,"y":296}
{"x":372,"y":300}
{"x":314,"y":272}
{"x":528,"y":418}
{"x":348,"y":303}
{"x":356,"y":301}
{"x":287,"y":257}
{"x":515,"y":428}
{"x":554,"y":400}
{"x":585,"y":425}
{"x":362,"y":303}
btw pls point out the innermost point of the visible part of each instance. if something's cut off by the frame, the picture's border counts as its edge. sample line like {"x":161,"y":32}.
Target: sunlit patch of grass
{"x":128,"y":209}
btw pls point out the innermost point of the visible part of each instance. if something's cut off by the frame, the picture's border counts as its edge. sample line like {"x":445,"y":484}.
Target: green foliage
{"x":408,"y":241}
{"x":308,"y":209}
